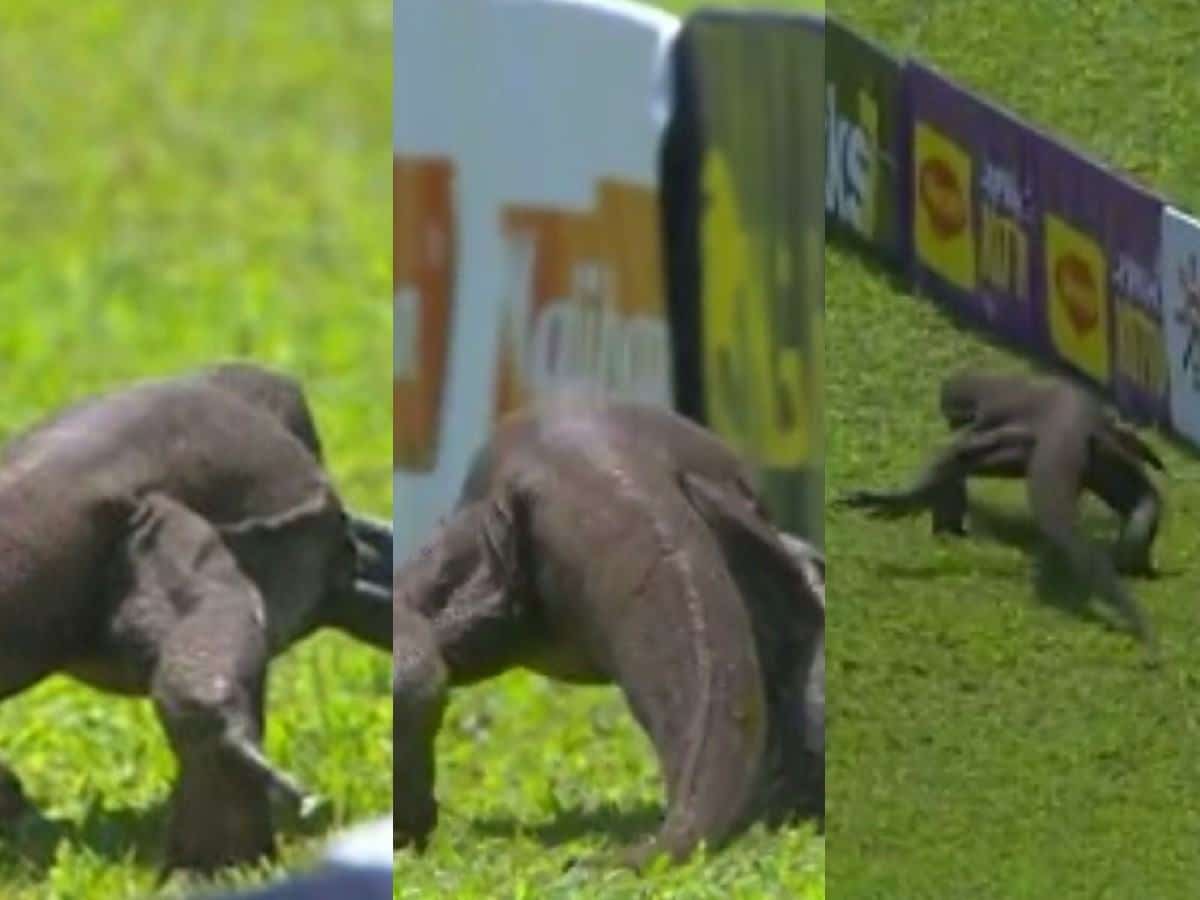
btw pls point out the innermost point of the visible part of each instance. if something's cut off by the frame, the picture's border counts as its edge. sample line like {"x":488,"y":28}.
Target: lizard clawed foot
{"x":413,"y":824}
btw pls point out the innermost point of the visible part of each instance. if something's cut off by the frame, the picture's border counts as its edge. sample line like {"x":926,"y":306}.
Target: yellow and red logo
{"x":423,"y":260}
{"x":943,"y":224}
{"x":1077,"y":298}
{"x":944,"y":198}
{"x":1076,"y":284}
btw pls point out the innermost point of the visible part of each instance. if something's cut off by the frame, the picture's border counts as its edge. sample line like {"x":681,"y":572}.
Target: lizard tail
{"x":709,"y":725}
{"x":714,"y":771}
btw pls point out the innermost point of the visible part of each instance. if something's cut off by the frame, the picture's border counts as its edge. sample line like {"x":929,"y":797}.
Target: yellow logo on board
{"x":1077,"y":298}
{"x":943,"y":229}
{"x":757,"y":389}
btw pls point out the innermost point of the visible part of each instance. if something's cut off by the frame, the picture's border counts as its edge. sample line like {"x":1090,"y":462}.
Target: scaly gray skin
{"x":365,"y":613}
{"x":781,"y":575}
{"x":1061,"y":441}
{"x":591,"y":547}
{"x":168,"y":540}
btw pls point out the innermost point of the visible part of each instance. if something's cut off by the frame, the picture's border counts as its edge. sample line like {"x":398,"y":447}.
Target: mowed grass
{"x":533,"y":774}
{"x":985,"y":743}
{"x":180,"y":184}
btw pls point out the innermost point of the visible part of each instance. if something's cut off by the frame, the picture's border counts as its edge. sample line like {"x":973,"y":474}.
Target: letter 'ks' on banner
{"x":866,"y":142}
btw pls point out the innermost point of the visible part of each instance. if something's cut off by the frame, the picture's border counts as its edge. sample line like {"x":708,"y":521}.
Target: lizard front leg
{"x":940,"y":485}
{"x":466,"y":581}
{"x":455,"y":622}
{"x":419,"y":686}
{"x":193,"y":626}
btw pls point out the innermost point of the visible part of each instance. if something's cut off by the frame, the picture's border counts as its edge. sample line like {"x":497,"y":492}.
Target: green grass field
{"x":533,"y":774}
{"x":985,"y":743}
{"x":180,"y":184}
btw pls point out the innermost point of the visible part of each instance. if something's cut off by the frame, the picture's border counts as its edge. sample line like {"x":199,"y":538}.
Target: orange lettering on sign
{"x":583,"y":301}
{"x":423,"y":260}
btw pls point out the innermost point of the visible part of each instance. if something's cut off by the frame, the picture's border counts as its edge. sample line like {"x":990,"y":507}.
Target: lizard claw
{"x":310,"y":804}
{"x":284,"y":789}
{"x":369,"y":590}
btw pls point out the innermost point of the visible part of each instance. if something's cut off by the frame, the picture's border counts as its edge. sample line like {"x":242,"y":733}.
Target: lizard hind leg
{"x":1053,"y":487}
{"x":457,"y":619}
{"x":1132,"y":553}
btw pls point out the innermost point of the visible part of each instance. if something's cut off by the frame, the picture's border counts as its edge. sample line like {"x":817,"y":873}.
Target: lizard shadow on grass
{"x":1018,"y":530}
{"x":618,"y":823}
{"x":1052,"y":580}
{"x":114,"y":835}
{"x":111,"y":834}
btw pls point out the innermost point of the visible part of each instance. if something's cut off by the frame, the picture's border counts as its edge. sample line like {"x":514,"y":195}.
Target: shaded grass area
{"x":534,"y":774}
{"x":989,"y":738}
{"x":182,"y":184}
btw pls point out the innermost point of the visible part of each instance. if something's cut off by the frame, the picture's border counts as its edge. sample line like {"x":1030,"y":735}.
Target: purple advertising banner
{"x":1037,"y":243}
{"x":1133,"y":234}
{"x":975,"y":220}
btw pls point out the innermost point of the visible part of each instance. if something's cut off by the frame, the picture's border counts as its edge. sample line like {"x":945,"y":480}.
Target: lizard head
{"x":959,"y":398}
